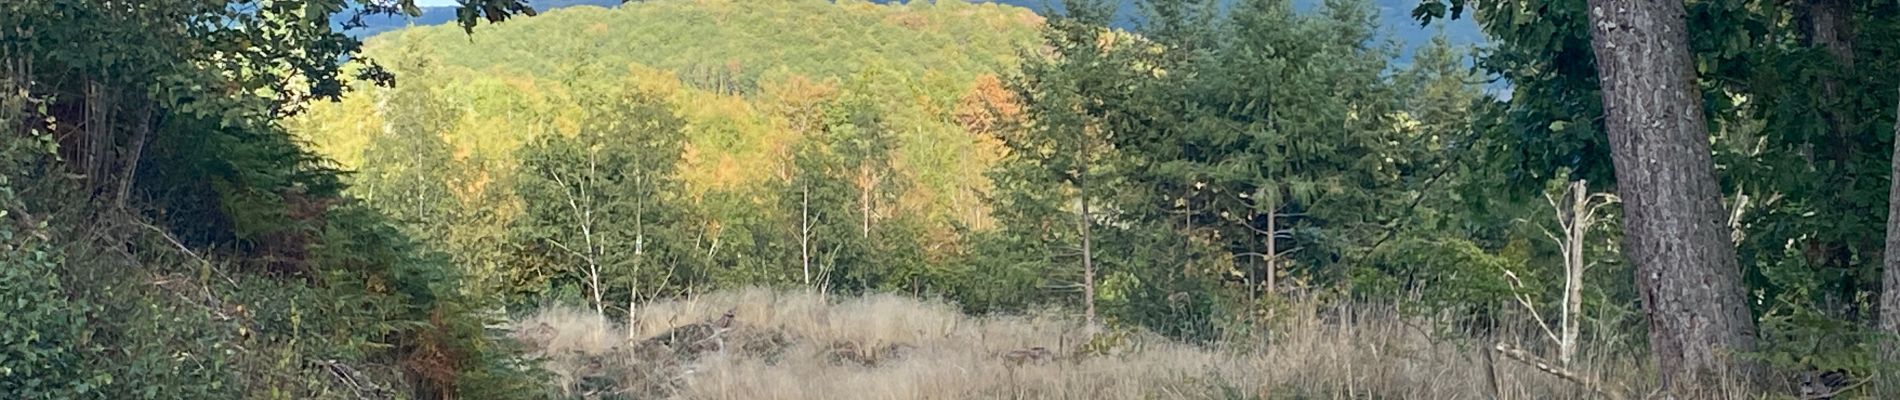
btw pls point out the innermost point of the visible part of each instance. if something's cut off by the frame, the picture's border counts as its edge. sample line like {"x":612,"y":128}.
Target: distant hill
{"x":1394,"y":16}
{"x":741,"y":74}
{"x":442,"y":15}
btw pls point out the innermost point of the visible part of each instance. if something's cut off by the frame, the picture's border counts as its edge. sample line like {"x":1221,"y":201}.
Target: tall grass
{"x":788,"y":345}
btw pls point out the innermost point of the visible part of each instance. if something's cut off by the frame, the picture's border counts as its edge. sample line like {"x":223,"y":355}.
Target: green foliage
{"x":1239,"y":149}
{"x":163,"y":118}
{"x":1800,"y":140}
{"x":862,"y":121}
{"x":1450,"y":277}
{"x":1799,"y":335}
{"x":42,"y":336}
{"x":908,"y":65}
{"x":733,"y":46}
{"x":606,"y":206}
{"x":43,"y":344}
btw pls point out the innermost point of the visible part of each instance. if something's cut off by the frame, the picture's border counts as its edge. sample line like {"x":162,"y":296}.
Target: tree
{"x":405,"y":167}
{"x":1289,"y":151}
{"x":1890,"y":296}
{"x":607,"y":199}
{"x":865,"y":144}
{"x":1069,"y":97}
{"x":156,"y":60}
{"x":819,"y":198}
{"x":1686,"y":269}
{"x":168,"y":119}
{"x":1576,"y":211}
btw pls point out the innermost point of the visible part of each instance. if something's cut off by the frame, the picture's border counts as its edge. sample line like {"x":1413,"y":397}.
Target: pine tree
{"x":1069,"y":97}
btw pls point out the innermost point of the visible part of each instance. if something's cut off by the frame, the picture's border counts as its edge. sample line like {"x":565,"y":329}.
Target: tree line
{"x":1189,"y":173}
{"x":1705,"y":177}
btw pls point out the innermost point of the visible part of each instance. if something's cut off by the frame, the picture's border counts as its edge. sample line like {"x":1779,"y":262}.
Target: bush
{"x":42,"y":334}
{"x":42,"y":340}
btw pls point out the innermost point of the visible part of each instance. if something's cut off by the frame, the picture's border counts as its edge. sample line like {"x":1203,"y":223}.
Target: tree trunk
{"x":593,"y":279}
{"x":1686,"y":270}
{"x":864,"y":198}
{"x":1890,"y":293}
{"x":1576,"y":222}
{"x":1827,"y":25}
{"x":804,"y":232}
{"x":867,"y":198}
{"x":587,"y":232}
{"x":1082,"y":220}
{"x":1273,"y":250}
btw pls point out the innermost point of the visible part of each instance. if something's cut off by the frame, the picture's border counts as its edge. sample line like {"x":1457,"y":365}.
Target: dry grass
{"x":794,"y":346}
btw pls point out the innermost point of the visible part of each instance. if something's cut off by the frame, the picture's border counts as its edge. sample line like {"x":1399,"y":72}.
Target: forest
{"x":819,"y":199}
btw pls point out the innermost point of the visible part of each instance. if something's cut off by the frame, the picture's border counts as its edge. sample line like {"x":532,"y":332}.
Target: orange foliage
{"x":433,"y":361}
{"x":799,"y":101}
{"x":988,"y":108}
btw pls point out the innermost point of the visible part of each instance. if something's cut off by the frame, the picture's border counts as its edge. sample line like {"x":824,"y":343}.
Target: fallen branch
{"x":1525,"y":357}
{"x":349,"y":378}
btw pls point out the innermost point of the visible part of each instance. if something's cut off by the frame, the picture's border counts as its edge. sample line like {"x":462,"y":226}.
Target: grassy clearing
{"x":785,"y":345}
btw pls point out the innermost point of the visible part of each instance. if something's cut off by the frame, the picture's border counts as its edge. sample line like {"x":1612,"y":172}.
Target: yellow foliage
{"x":931,"y":71}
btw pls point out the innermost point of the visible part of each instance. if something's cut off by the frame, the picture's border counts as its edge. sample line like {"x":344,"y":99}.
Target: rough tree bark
{"x":1686,"y":270}
{"x":1890,"y":293}
{"x":1828,"y":26}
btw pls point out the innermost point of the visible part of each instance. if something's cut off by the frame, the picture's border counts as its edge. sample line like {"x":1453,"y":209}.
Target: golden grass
{"x":785,"y":345}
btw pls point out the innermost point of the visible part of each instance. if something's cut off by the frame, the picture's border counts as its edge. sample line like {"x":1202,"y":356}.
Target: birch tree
{"x":607,"y":199}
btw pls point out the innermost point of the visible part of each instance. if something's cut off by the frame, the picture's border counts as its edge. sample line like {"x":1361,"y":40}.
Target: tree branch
{"x":1526,"y":302}
{"x":1525,"y":357}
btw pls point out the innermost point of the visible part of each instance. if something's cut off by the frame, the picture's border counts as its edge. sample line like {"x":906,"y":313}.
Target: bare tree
{"x":1687,"y":274}
{"x":1576,"y":213}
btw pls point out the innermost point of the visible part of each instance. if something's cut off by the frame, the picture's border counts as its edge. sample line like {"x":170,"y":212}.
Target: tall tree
{"x":1686,"y":269}
{"x":405,"y":168}
{"x":607,"y":199}
{"x":1890,"y":294}
{"x":819,"y":201}
{"x":1070,"y":97}
{"x":867,"y":146}
{"x":1576,"y":211}
{"x":1287,"y":150}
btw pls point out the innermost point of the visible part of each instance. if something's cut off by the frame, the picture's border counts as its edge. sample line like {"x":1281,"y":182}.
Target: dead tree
{"x":1576,"y":213}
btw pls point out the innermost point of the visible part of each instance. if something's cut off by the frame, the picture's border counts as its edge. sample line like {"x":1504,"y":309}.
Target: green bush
{"x":42,"y":333}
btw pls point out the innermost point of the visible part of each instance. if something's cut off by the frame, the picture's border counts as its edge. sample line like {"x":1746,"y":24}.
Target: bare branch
{"x":1525,"y":300}
{"x":563,"y":247}
{"x":1525,"y":357}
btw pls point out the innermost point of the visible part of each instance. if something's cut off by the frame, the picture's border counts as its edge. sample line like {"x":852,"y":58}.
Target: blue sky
{"x":435,"y":3}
